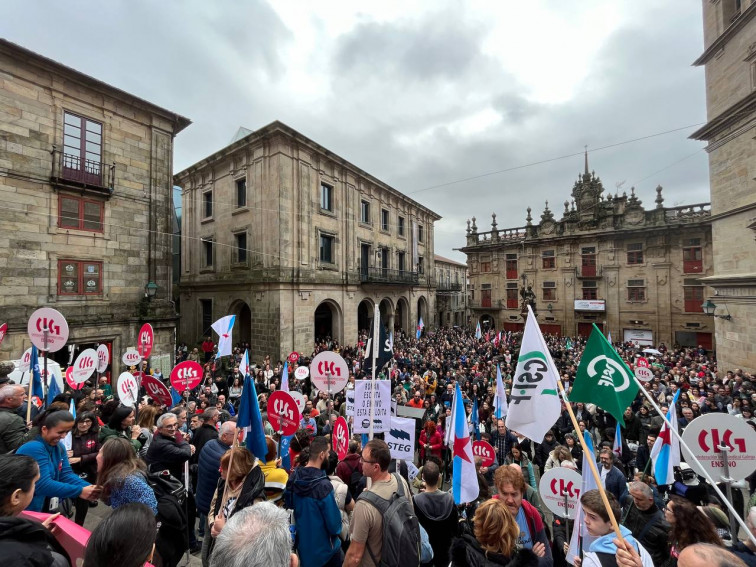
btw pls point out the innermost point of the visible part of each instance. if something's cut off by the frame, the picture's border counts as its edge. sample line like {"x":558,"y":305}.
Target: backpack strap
{"x":382,"y":505}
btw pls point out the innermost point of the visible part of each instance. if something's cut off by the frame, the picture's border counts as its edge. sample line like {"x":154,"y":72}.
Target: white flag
{"x":501,"y":409}
{"x":244,"y":364}
{"x":534,"y":404}
{"x":223,"y":327}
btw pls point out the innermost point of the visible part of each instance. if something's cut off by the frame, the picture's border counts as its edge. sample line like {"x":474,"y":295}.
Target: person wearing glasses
{"x":84,"y":448}
{"x":166,"y":452}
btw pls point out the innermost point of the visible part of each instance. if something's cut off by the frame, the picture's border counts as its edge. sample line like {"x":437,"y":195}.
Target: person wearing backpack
{"x":350,"y":469}
{"x":384,"y":531}
{"x":310,"y":494}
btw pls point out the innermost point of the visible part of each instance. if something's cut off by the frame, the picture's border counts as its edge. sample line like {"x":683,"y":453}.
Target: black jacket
{"x":202,"y":435}
{"x":466,"y":552}
{"x":26,"y":543}
{"x":166,"y":454}
{"x":654,"y":535}
{"x":437,"y":513}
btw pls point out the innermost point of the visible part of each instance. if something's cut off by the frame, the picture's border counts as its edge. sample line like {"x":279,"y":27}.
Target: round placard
{"x":157,"y":390}
{"x":299,"y":399}
{"x":340,"y":437}
{"x":301,"y":372}
{"x":52,"y":321}
{"x":283,"y":414}
{"x":69,"y":380}
{"x":145,"y":340}
{"x":644,"y":373}
{"x":103,"y":358}
{"x":485,"y":451}
{"x":293,"y":357}
{"x":131,"y":357}
{"x":186,"y":375}
{"x":555,"y":485}
{"x":707,"y":433}
{"x":329,"y":372}
{"x":128,"y":389}
{"x":85,"y":365}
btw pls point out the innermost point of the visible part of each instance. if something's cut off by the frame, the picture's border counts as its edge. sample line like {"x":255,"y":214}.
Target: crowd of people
{"x":304,"y":505}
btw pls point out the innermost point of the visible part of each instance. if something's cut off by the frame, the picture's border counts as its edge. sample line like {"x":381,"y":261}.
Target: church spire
{"x":586,"y":160}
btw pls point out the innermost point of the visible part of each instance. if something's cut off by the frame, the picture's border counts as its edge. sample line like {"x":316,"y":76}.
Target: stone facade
{"x":730,"y":60}
{"x":298,"y":243}
{"x":608,"y":260}
{"x":451,"y":292}
{"x":85,"y":180}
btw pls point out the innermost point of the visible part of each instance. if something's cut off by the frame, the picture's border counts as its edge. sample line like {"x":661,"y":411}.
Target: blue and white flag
{"x":464,"y":479}
{"x":37,"y":389}
{"x":580,"y":532}
{"x":665,"y":454}
{"x":244,"y":364}
{"x":419,"y":331}
{"x":501,"y":408}
{"x":617,"y":447}
{"x":250,"y":420}
{"x":68,"y":439}
{"x":285,"y":377}
{"x":475,"y":419}
{"x":478,"y":333}
{"x":223,"y":327}
{"x":52,"y":389}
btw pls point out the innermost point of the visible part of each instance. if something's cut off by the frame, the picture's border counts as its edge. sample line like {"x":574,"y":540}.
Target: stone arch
{"x":243,"y":324}
{"x":422,"y":310}
{"x":365,"y":311}
{"x":487,"y":321}
{"x":386,"y":307}
{"x":401,"y":315}
{"x":328,"y":321}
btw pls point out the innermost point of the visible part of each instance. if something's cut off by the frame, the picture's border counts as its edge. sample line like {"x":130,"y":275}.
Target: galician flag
{"x":244,"y":364}
{"x":223,"y":327}
{"x":534,"y":404}
{"x":249,"y":419}
{"x":665,"y":454}
{"x":501,"y":408}
{"x":419,"y":331}
{"x":464,"y":479}
{"x":285,"y":377}
{"x":617,"y":448}
{"x":478,"y":334}
{"x":580,"y":532}
{"x":475,"y":419}
{"x":603,"y":378}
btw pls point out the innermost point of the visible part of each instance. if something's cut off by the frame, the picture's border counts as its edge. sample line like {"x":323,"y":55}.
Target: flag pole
{"x":374,"y":355}
{"x":706,"y":475}
{"x":592,"y":464}
{"x":29,"y":395}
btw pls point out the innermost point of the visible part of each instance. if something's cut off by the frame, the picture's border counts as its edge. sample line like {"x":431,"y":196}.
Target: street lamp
{"x":550,"y":308}
{"x":150,"y":290}
{"x":709,"y":307}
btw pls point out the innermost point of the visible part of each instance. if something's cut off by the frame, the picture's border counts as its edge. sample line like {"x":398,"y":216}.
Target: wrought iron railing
{"x":387,"y":276}
{"x":77,"y":170}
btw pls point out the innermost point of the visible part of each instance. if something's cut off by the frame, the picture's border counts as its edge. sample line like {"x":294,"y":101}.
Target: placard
{"x":85,"y":365}
{"x":400,"y":438}
{"x":157,"y":390}
{"x":103,"y":358}
{"x":70,"y":381}
{"x":301,"y":372}
{"x":131,"y":357}
{"x":128,"y":389}
{"x":186,"y":376}
{"x":329,"y":372}
{"x":349,"y":402}
{"x":485,"y":451}
{"x":3,"y":331}
{"x":293,"y":358}
{"x":299,"y":399}
{"x":25,"y":364}
{"x":555,"y":485}
{"x":145,"y":340}
{"x":362,"y":402}
{"x":340,"y":438}
{"x":705,"y":434}
{"x":56,"y":325}
{"x":643,"y":373}
{"x":283,"y":414}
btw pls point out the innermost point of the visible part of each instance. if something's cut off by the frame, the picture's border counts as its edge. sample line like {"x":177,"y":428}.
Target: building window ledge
{"x":207,"y":220}
{"x":236,"y":211}
{"x":328,"y":213}
{"x":328,"y":267}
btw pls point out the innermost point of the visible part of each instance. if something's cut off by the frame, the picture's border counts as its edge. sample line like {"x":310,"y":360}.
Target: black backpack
{"x":401,"y":529}
{"x":173,"y":536}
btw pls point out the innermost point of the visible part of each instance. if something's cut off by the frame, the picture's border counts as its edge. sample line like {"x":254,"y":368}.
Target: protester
{"x":611,"y":477}
{"x":125,"y":538}
{"x":689,"y":526}
{"x":436,"y":513}
{"x":165,"y":452}
{"x":24,"y":542}
{"x":494,"y":541}
{"x":275,"y":476}
{"x":12,"y":426}
{"x":122,"y":476}
{"x":431,"y":442}
{"x":343,"y":497}
{"x":84,"y":448}
{"x":121,"y":424}
{"x":208,"y":471}
{"x":56,"y":481}
{"x":646,"y":522}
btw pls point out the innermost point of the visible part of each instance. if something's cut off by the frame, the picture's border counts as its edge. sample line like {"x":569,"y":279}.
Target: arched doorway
{"x":387,"y":313}
{"x":328,"y":321}
{"x":243,"y":321}
{"x":364,"y":315}
{"x":422,"y":310}
{"x":487,"y":322}
{"x":401,"y":315}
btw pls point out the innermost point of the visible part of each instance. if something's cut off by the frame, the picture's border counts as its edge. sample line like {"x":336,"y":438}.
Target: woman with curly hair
{"x":689,"y":526}
{"x":430,"y":441}
{"x":494,"y":541}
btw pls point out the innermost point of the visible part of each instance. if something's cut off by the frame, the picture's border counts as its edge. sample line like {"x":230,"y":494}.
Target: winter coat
{"x":167,"y":454}
{"x":26,"y":543}
{"x":86,"y":448}
{"x":466,"y":552}
{"x":543,"y":451}
{"x":12,"y":430}
{"x":55,"y":475}
{"x":437,"y":513}
{"x":310,"y":494}
{"x":653,"y":536}
{"x":108,"y":432}
{"x":435,"y":441}
{"x":632,"y":429}
{"x":202,"y":435}
{"x":208,"y":474}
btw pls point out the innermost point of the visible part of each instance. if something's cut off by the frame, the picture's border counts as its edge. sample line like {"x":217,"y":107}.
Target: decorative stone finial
{"x":468,"y":226}
{"x":659,"y":198}
{"x":493,"y":222}
{"x":566,"y":207}
{"x":474,"y":226}
{"x":529,"y":218}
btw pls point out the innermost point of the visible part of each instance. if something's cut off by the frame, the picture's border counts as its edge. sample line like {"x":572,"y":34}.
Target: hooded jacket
{"x":309,"y":493}
{"x":604,"y":546}
{"x":437,"y":513}
{"x":26,"y":543}
{"x":466,"y":552}
{"x":653,"y":536}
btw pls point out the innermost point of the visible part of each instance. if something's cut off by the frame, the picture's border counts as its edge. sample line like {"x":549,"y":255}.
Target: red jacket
{"x":435,"y":444}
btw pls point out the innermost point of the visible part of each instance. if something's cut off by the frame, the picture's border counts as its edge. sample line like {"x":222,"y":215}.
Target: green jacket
{"x":106,"y":433}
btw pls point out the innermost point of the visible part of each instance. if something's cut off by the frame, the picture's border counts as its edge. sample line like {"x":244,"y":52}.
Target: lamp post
{"x":709,"y":307}
{"x":150,"y":290}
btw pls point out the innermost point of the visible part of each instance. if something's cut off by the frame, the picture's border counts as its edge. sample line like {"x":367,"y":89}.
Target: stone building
{"x":299,"y":244}
{"x":451,"y":292}
{"x":85,"y":180}
{"x":730,"y":60}
{"x":631,"y":270}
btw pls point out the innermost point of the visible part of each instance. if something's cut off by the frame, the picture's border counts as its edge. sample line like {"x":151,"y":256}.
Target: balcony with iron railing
{"x":75,"y":171}
{"x":389,"y":277}
{"x":448,"y":286}
{"x":589,"y":272}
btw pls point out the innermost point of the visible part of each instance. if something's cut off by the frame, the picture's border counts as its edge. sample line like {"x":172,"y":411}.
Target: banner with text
{"x":400,"y":438}
{"x":381,"y":409}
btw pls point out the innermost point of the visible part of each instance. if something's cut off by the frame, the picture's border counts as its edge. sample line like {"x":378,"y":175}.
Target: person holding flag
{"x":249,"y":420}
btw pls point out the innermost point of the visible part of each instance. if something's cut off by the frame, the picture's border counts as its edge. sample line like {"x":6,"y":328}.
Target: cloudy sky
{"x":452,"y":103}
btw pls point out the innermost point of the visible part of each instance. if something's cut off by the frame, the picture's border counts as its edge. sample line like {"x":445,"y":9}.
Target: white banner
{"x":401,"y":438}
{"x":590,"y":305}
{"x":350,"y":402}
{"x":382,"y":407}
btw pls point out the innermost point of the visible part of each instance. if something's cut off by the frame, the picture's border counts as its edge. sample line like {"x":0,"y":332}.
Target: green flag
{"x":603,"y":378}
